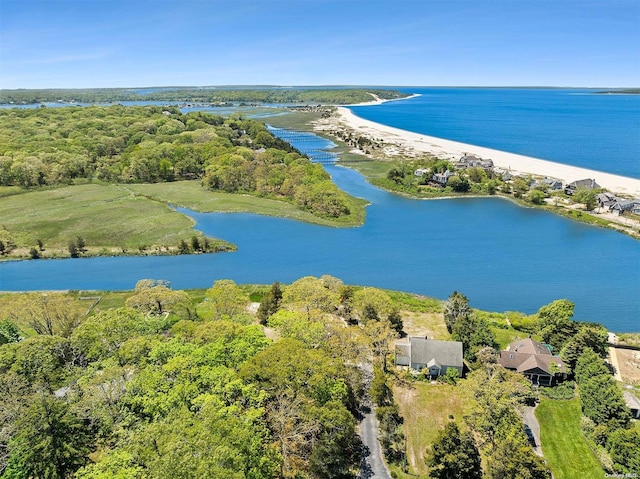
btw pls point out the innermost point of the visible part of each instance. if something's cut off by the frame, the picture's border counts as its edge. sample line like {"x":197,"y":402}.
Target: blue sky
{"x":100,"y":43}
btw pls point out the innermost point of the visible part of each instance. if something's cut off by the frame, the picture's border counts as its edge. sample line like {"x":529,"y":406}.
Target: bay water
{"x":502,"y":256}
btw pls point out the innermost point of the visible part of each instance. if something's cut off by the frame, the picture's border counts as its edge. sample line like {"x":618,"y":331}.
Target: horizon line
{"x":329,"y":85}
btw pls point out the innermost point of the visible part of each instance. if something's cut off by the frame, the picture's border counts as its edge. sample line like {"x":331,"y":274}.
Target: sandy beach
{"x":415,"y":143}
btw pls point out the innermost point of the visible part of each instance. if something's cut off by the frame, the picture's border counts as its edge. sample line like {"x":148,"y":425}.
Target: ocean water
{"x":574,"y":126}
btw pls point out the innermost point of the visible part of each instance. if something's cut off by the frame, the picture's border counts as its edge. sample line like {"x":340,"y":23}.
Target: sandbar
{"x":453,"y":150}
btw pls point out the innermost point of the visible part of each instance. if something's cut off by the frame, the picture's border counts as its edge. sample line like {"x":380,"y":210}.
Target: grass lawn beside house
{"x":425,"y":408}
{"x":563,"y":444}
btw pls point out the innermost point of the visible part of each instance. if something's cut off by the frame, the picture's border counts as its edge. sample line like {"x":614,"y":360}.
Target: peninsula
{"x":413,"y":144}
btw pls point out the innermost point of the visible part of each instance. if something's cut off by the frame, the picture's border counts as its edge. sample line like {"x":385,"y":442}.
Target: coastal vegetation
{"x":263,"y":381}
{"x":388,"y":166}
{"x":83,"y":167}
{"x":211,"y":95}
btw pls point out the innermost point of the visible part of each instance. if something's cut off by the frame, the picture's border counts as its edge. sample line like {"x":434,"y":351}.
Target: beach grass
{"x":563,"y":444}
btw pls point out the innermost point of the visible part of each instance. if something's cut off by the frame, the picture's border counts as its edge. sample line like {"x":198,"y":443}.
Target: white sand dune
{"x":449,"y":149}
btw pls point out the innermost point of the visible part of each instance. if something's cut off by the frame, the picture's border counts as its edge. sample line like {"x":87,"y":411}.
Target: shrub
{"x":560,"y":391}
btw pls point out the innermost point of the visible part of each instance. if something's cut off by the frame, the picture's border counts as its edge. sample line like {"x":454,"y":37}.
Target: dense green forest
{"x":55,"y":146}
{"x":159,"y":383}
{"x":256,"y":382}
{"x":335,"y":96}
{"x":110,"y":147}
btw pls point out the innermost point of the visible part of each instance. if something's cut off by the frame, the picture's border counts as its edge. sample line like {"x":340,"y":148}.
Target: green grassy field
{"x":104,"y":215}
{"x":563,"y":444}
{"x":425,"y":409}
{"x":189,"y":194}
{"x":122,"y":219}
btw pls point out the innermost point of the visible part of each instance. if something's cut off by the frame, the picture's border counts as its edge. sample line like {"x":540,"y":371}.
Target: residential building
{"x":588,"y":184}
{"x":533,"y":359}
{"x":431,"y":354}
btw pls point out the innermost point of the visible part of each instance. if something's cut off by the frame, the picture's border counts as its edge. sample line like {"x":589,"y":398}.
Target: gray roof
{"x":586,"y":183}
{"x":448,"y":353}
{"x":632,"y":401}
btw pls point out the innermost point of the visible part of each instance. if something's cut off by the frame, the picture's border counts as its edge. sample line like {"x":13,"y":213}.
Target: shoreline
{"x":452,"y":150}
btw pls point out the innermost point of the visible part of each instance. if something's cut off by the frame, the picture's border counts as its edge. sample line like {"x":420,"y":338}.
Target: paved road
{"x":532,"y":428}
{"x":372,"y":464}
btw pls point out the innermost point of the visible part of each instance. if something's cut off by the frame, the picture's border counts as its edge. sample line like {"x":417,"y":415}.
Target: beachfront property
{"x":504,"y":175}
{"x":431,"y":355}
{"x":532,"y":359}
{"x":618,"y":206}
{"x":587,"y":184}
{"x":552,"y":184}
{"x":472,"y":161}
{"x":621,"y":207}
{"x":442,"y":178}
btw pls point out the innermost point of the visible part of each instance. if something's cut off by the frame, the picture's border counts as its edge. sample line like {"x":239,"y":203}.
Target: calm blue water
{"x":577,"y":127}
{"x":502,"y":256}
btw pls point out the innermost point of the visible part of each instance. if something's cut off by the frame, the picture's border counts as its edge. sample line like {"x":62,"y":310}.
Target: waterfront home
{"x":430,"y":354}
{"x":553,"y":185}
{"x":588,"y":184}
{"x":421,"y":172}
{"x":504,"y":175}
{"x":606,"y":200}
{"x":532,"y":359}
{"x":442,"y":178}
{"x":472,"y":161}
{"x":620,"y":207}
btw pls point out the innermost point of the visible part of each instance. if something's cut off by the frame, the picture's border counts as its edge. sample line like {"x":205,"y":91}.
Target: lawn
{"x":426,"y":408}
{"x":563,"y":444}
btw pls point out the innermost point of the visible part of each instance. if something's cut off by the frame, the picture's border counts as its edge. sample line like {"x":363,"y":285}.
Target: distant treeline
{"x":201,"y":95}
{"x":622,"y":91}
{"x":150,"y":144}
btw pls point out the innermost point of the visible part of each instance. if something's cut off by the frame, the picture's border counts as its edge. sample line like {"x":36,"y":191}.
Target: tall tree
{"x":155,"y":297}
{"x":457,"y":306}
{"x":310,"y":294}
{"x":50,"y":441}
{"x":47,"y":313}
{"x":555,"y":324}
{"x":226,"y":299}
{"x":454,"y":455}
{"x":514,"y":458}
{"x":624,"y":447}
{"x":270,"y":303}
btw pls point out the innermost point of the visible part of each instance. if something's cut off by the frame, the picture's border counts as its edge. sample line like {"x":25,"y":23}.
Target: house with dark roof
{"x":587,"y":184}
{"x":606,"y":200}
{"x":532,"y":359}
{"x":436,"y":356}
{"x":620,"y":207}
{"x":552,"y":184}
